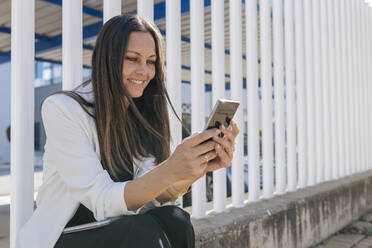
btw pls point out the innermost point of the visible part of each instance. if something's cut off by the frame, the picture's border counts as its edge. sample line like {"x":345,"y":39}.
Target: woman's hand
{"x":190,"y":159}
{"x":224,"y":148}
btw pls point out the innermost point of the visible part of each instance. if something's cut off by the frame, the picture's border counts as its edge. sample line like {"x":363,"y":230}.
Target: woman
{"x":107,"y":151}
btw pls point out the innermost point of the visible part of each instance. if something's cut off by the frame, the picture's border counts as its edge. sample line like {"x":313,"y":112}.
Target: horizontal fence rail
{"x":306,"y":70}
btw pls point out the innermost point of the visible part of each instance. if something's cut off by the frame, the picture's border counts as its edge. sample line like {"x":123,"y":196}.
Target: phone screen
{"x":222,"y":113}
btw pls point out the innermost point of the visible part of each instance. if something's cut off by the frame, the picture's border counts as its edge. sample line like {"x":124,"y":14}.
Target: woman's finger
{"x":223,"y":156}
{"x":195,"y":140}
{"x":226,"y":145}
{"x":203,"y":148}
{"x":234,"y":128}
{"x":228,"y":134}
{"x":205,"y":158}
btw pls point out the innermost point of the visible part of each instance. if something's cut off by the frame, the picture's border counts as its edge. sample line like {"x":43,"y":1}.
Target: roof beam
{"x":90,"y":31}
{"x":54,"y":42}
{"x":7,"y":30}
{"x":86,"y":10}
{"x":4,"y":30}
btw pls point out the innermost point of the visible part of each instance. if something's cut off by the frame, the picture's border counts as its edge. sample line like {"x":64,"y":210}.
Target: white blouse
{"x":73,"y":173}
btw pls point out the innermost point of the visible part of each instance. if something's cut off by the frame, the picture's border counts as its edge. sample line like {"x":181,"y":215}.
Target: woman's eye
{"x":152,"y":62}
{"x":131,"y":59}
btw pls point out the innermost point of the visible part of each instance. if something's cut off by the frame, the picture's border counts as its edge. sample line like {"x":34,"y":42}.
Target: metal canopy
{"x":48,"y":28}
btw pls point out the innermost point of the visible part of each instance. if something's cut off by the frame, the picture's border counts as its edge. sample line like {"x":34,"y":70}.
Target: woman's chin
{"x":136,"y":94}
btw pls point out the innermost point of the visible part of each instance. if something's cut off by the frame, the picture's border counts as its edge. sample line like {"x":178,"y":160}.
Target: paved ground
{"x":356,"y":235}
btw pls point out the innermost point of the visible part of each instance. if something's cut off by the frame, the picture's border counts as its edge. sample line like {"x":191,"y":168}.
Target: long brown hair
{"x":127,"y":132}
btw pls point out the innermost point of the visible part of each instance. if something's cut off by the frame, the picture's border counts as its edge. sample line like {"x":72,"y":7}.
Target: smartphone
{"x":222,"y":113}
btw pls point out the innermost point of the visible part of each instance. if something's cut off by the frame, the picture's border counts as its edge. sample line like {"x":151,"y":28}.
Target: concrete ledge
{"x":297,"y":219}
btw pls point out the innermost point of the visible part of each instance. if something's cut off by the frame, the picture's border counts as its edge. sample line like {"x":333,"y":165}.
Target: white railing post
{"x":342,"y":88}
{"x":22,"y":115}
{"x":353,"y":88}
{"x":218,"y":91}
{"x":173,"y":58}
{"x":364,"y":83}
{"x":290,"y":95}
{"x":360,"y":79}
{"x":236,"y":72}
{"x":111,"y":8}
{"x":301,"y":94}
{"x":311,"y":166}
{"x":338,"y":85}
{"x":197,"y":95}
{"x":361,"y":82}
{"x":348,"y":89}
{"x":278,"y":60}
{"x":326,"y":91}
{"x":252,"y":100}
{"x":333,"y":85}
{"x":369,"y":40}
{"x":266,"y":89}
{"x":72,"y":44}
{"x":145,"y":9}
{"x":318,"y":91}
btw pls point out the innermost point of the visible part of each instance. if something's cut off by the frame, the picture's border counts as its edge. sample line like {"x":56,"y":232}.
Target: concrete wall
{"x":298,"y":219}
{"x":40,"y":94}
{"x":4,"y":111}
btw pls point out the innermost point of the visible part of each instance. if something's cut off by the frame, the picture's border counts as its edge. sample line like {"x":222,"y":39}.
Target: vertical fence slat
{"x":338,"y":92}
{"x":364,"y":82}
{"x":311,"y":163}
{"x":218,"y":91}
{"x":22,"y":115}
{"x":369,"y":40}
{"x":342,"y":86}
{"x":173,"y":56}
{"x":173,"y":67}
{"x":348,"y":89}
{"x":145,"y":9}
{"x":361,"y":82}
{"x":332,"y":82}
{"x":301,"y":93}
{"x":236,"y":72}
{"x":360,"y":79}
{"x":278,"y":61}
{"x":252,"y":100}
{"x":318,"y":91}
{"x":326,"y":91}
{"x":266,"y":89}
{"x":197,"y":95}
{"x":366,"y":107}
{"x":370,"y":79}
{"x":72,"y":34}
{"x":354,"y":88}
{"x":111,"y":8}
{"x":290,"y":95}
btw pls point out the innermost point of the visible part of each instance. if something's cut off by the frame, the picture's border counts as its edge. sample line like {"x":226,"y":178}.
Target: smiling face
{"x":139,"y":63}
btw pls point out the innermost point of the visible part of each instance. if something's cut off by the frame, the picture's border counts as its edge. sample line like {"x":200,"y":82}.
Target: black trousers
{"x":166,"y":227}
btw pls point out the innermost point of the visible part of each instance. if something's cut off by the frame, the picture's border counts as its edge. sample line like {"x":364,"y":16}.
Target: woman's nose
{"x":141,"y":68}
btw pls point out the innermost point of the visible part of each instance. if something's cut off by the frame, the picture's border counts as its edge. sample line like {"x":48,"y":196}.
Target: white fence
{"x":316,"y":62}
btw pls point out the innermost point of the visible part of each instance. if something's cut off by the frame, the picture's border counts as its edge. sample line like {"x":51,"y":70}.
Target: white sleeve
{"x":69,"y":149}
